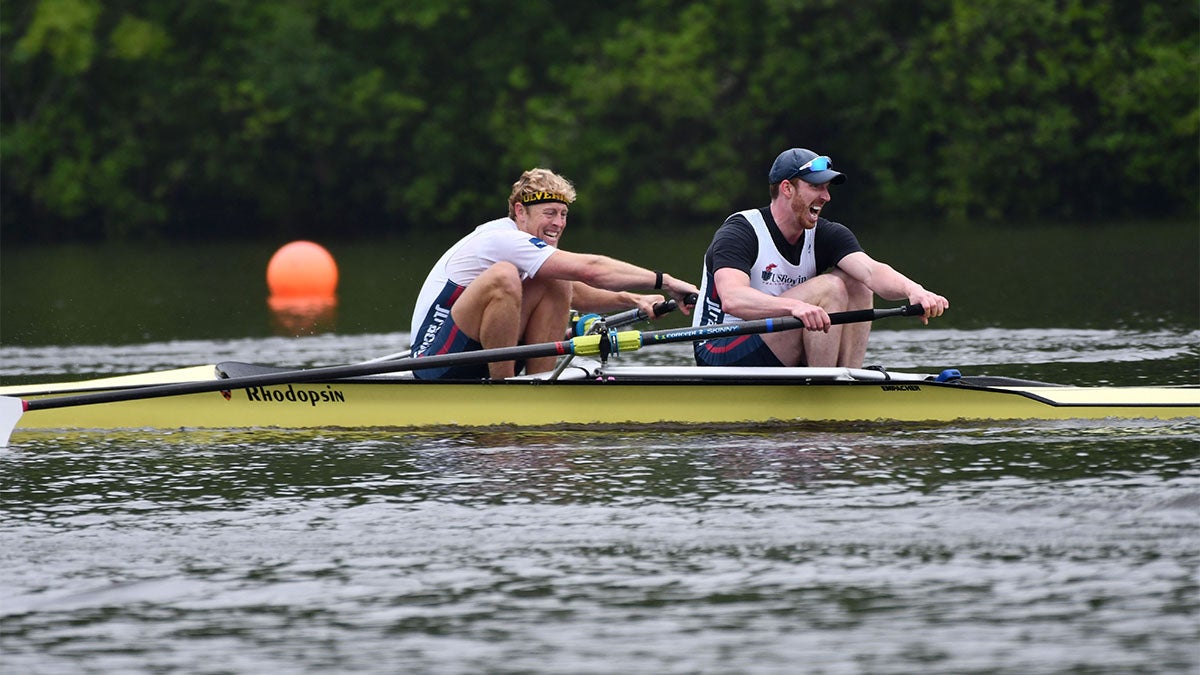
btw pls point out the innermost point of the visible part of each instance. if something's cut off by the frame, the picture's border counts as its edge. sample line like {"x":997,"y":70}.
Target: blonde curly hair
{"x":539,"y":185}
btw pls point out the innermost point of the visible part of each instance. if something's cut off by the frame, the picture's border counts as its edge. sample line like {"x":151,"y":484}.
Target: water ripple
{"x":1006,"y":548}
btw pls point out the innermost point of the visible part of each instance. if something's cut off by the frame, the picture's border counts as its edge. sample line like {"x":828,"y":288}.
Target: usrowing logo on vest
{"x":770,"y":276}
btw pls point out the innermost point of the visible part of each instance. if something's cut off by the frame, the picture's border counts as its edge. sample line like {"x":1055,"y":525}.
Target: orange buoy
{"x":302,"y":269}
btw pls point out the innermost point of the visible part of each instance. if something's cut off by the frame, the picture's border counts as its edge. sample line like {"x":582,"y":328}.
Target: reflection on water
{"x":299,"y":316}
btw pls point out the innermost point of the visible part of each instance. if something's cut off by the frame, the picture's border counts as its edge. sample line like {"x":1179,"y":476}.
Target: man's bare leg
{"x":489,"y":312}
{"x":852,"y":349}
{"x":545,"y":312}
{"x":813,"y":348}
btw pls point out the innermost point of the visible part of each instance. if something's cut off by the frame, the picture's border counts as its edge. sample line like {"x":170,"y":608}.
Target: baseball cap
{"x":805,"y":164}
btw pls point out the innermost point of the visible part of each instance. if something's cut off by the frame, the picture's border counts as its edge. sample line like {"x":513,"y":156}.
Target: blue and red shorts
{"x":450,"y":340}
{"x":743,"y":350}
{"x":440,"y":335}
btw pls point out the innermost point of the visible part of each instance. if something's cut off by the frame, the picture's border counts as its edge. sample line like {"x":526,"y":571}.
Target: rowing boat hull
{"x":623,"y":398}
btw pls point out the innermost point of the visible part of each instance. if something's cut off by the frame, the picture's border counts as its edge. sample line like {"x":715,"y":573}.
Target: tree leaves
{"x":362,"y":117}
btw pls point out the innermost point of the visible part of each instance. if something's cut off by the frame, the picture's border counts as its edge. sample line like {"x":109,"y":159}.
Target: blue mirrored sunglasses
{"x":814,"y":165}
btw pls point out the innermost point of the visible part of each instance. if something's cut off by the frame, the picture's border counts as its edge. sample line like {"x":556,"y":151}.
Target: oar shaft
{"x":773,"y":325}
{"x":306,"y":375}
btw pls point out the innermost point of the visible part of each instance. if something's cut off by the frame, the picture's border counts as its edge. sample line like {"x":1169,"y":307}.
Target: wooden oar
{"x":602,"y":344}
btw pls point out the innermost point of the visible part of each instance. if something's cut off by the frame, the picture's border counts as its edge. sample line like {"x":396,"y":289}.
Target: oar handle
{"x":860,"y":315}
{"x":630,"y":316}
{"x":773,"y":325}
{"x":667,"y":307}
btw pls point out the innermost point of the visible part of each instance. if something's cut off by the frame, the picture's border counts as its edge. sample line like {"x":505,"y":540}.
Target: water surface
{"x":1013,"y":548}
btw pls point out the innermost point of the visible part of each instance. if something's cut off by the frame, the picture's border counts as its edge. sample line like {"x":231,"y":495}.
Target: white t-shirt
{"x":492,"y":242}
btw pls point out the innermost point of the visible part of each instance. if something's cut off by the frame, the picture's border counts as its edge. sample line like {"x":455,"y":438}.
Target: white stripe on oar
{"x":602,"y":344}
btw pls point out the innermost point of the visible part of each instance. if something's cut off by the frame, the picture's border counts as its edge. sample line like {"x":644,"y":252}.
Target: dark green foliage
{"x":167,"y":119}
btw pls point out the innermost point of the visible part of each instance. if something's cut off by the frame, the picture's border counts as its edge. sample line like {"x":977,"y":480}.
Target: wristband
{"x":657,"y":280}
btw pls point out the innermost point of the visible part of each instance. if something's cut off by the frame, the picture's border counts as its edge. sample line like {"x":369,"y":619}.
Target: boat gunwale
{"x":1040,"y":392}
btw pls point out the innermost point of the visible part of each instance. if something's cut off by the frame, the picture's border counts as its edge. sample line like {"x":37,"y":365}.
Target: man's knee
{"x":827,"y":290}
{"x":501,"y":281}
{"x":849,"y":292}
{"x":502,"y":275}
